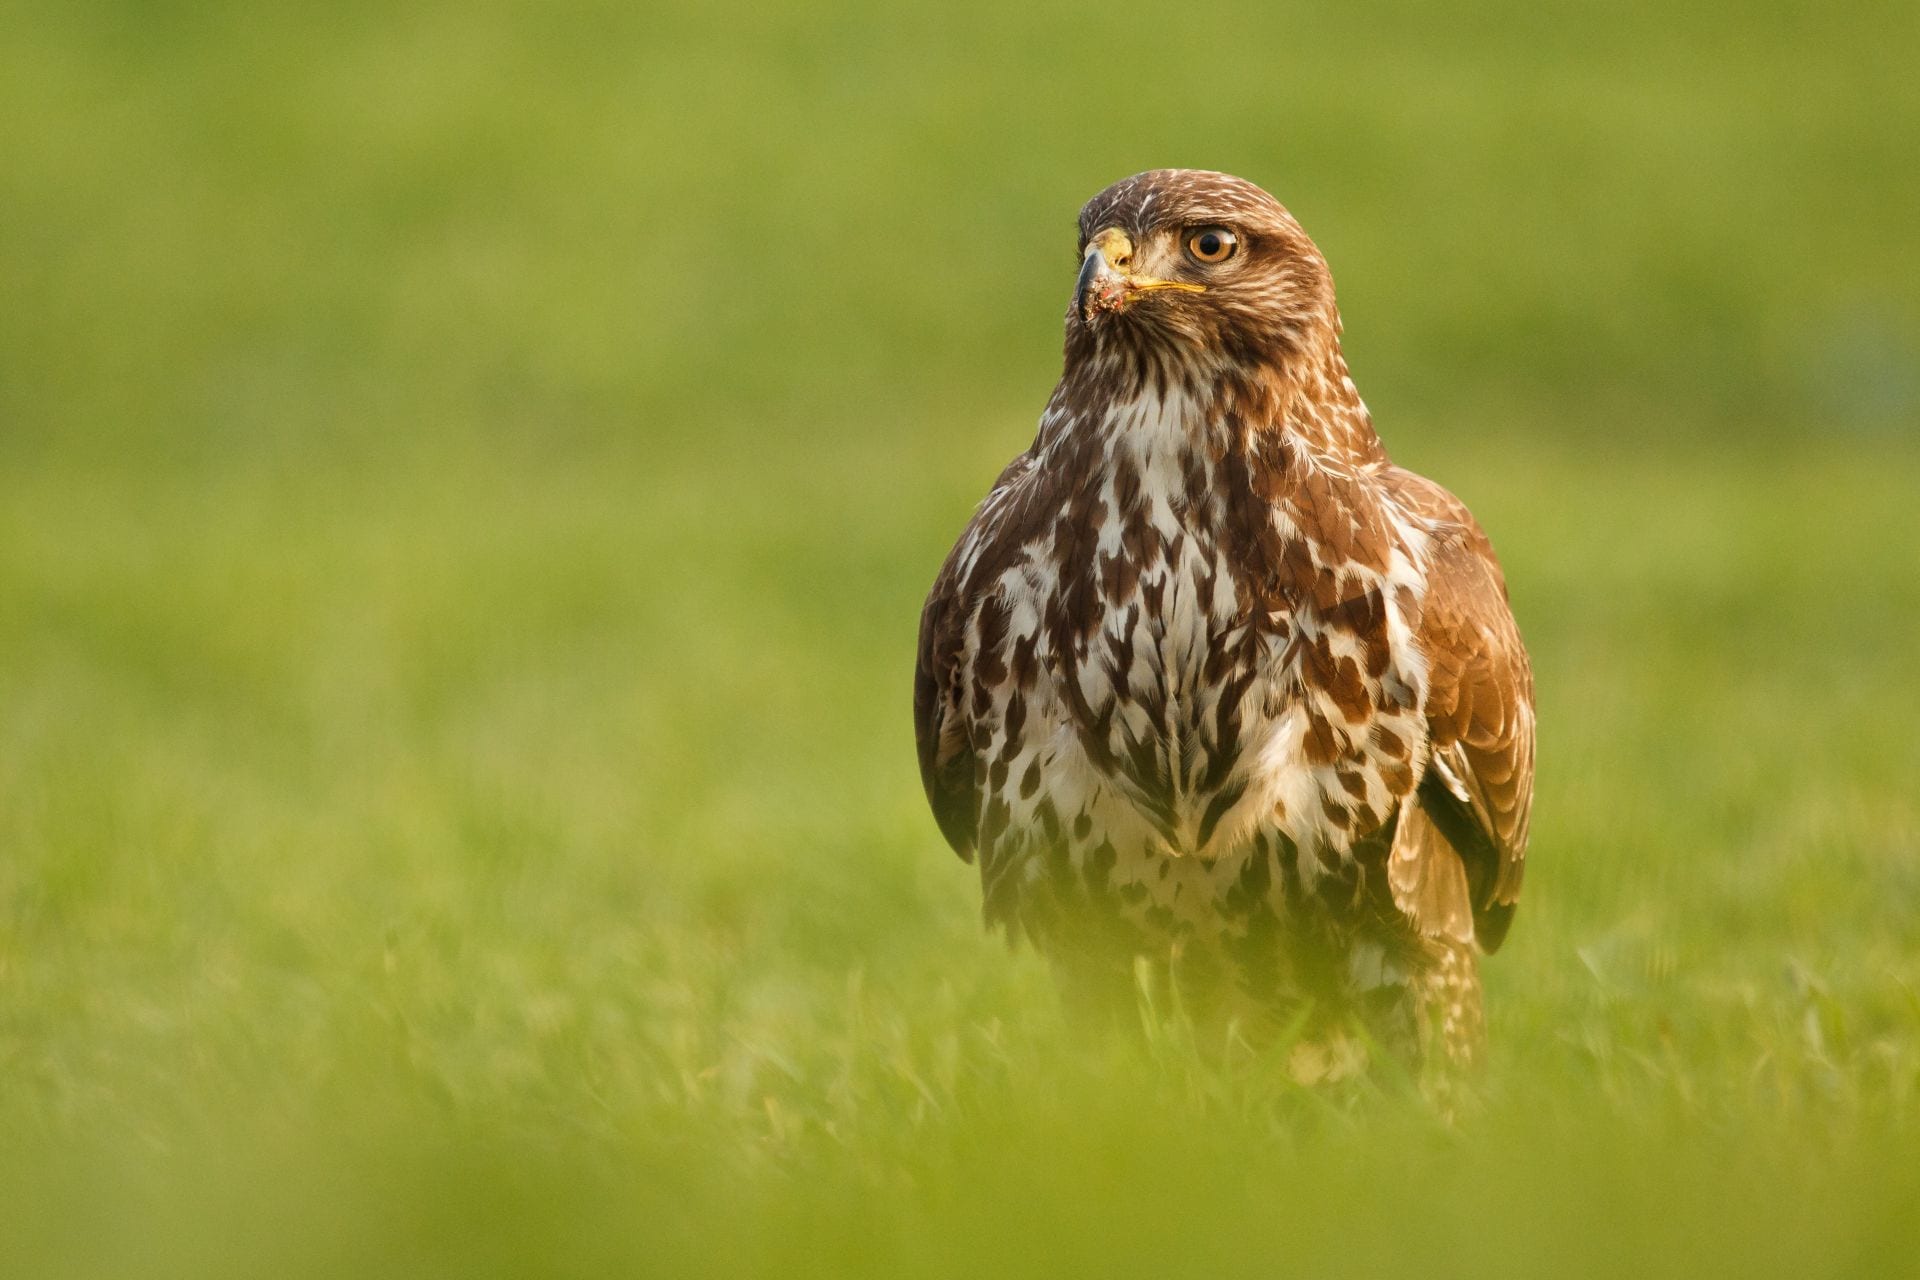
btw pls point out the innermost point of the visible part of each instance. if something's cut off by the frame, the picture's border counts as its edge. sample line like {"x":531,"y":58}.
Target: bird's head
{"x":1187,"y":266}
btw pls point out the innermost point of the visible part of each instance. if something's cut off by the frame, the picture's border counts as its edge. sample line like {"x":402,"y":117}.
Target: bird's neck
{"x":1306,"y":402}
{"x":1302,"y":402}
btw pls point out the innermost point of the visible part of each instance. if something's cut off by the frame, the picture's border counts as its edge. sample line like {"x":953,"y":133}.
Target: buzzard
{"x":1209,"y":681}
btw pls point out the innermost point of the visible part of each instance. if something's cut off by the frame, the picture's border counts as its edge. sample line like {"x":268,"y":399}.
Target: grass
{"x":467,"y":480}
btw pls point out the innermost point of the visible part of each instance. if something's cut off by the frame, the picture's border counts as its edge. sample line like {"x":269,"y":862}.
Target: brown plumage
{"x":1207,"y":679}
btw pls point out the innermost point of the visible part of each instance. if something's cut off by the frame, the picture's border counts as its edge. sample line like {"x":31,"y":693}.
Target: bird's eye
{"x":1211,"y":245}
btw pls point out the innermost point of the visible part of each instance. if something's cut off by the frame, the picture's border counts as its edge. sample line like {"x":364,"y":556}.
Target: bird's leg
{"x":1452,"y":1027}
{"x":1452,"y":1023}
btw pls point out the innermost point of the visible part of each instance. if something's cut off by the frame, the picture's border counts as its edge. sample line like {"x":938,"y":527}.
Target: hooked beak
{"x":1107,"y":282}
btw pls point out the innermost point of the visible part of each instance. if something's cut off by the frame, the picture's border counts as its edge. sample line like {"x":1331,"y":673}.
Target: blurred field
{"x":467,"y":481}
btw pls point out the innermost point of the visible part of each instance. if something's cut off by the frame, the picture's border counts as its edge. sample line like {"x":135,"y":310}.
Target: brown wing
{"x":1476,"y":800}
{"x":939,"y":715}
{"x":940,"y":676}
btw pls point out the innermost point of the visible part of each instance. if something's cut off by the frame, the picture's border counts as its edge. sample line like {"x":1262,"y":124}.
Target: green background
{"x":468,"y":475}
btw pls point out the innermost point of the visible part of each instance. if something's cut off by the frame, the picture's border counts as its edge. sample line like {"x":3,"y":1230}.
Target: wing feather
{"x":1476,"y":802}
{"x":941,"y":678}
{"x":939,"y":716}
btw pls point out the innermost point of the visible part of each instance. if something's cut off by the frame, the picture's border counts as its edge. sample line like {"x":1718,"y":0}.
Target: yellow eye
{"x":1211,"y":245}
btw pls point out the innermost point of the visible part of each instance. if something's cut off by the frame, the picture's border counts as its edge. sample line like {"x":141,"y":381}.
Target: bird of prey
{"x":1208,"y":680}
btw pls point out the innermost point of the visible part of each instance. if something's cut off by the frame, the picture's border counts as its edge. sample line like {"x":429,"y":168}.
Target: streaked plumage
{"x":1207,"y":678}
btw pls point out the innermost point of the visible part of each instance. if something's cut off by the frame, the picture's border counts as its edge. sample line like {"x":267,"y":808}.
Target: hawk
{"x":1208,"y":679}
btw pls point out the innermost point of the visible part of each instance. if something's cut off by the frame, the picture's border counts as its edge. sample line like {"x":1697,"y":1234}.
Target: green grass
{"x":467,"y":481}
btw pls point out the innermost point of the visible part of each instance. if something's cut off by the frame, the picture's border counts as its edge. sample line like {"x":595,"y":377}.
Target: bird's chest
{"x":1166,"y":620}
{"x":1223,"y":685}
{"x":1188,"y":675}
{"x":1157,"y":654}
